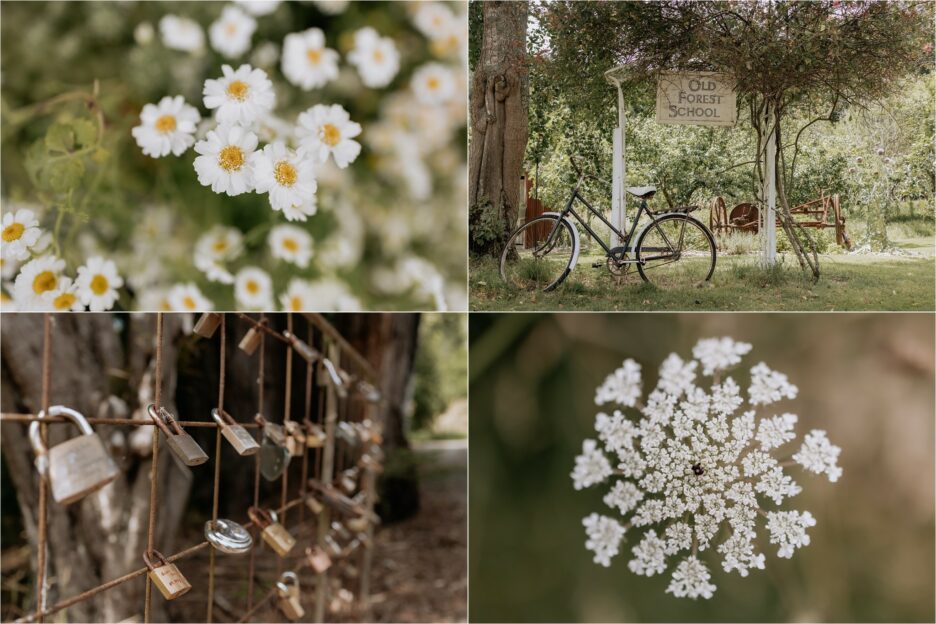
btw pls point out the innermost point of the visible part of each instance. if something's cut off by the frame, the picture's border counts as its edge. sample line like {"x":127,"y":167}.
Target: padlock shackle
{"x":35,"y":437}
{"x":158,"y":555}
{"x":309,"y":354}
{"x":164,"y":420}
{"x":221,"y":417}
{"x":289,"y":575}
{"x":335,"y":377}
{"x":261,"y":517}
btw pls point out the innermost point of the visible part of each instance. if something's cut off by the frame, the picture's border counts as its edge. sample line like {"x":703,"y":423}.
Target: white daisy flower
{"x":36,"y":282}
{"x":214,"y":248}
{"x":292,"y":244}
{"x":187,"y":298}
{"x":66,"y":298}
{"x":325,"y":130}
{"x":224,"y":164}
{"x":375,"y":57}
{"x":332,"y":295}
{"x":241,"y":96}
{"x":307,"y":63}
{"x":230,"y":34}
{"x":253,"y":289}
{"x":166,"y":127}
{"x":288,"y":177}
{"x":433,"y":84}
{"x":181,"y":33}
{"x":20,"y":232}
{"x":301,"y":212}
{"x":298,"y":296}
{"x":331,"y":7}
{"x":433,"y":19}
{"x":98,"y":282}
{"x":258,"y":7}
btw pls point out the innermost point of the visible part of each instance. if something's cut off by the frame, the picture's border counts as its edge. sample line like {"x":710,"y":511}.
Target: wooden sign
{"x":696,"y":98}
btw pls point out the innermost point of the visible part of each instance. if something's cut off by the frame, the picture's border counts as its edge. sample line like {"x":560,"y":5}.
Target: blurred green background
{"x":868,"y":379}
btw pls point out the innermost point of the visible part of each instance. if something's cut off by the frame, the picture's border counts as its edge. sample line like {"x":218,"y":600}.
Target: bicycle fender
{"x":575,"y":236}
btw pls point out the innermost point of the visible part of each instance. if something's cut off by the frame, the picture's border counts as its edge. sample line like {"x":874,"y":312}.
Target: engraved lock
{"x":288,"y":589}
{"x":314,"y":435}
{"x":166,"y":576}
{"x":273,"y":533}
{"x":239,"y":437}
{"x":314,"y":505}
{"x":334,"y":377}
{"x":295,"y":438}
{"x":207,"y":324}
{"x":180,"y":442}
{"x":318,"y":559}
{"x":306,"y":352}
{"x":274,"y":454}
{"x":250,"y":341}
{"x":347,"y":434}
{"x":76,"y":467}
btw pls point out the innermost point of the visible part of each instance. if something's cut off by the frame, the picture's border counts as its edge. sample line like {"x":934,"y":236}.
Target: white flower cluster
{"x":691,"y":465}
{"x":40,"y":283}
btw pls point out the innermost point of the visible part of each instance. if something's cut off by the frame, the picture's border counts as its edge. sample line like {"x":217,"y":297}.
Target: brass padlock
{"x":250,"y":341}
{"x":295,"y":438}
{"x":207,"y":324}
{"x":166,"y":576}
{"x":274,"y":454}
{"x":180,"y":443}
{"x":314,"y":435}
{"x":288,"y":589}
{"x":318,"y":559}
{"x":357,"y":524}
{"x":306,"y":352}
{"x":235,"y":433}
{"x":314,"y":505}
{"x":273,"y":533}
{"x":76,"y":467}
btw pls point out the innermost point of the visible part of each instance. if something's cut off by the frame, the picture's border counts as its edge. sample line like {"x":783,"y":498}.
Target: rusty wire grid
{"x":333,"y":346}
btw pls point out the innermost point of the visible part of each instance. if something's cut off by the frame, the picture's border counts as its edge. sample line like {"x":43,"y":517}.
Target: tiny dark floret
{"x":698,"y":469}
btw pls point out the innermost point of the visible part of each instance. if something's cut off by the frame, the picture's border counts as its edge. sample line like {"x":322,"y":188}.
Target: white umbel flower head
{"x":288,"y":177}
{"x":258,"y":7}
{"x":696,"y":473}
{"x":181,"y":33}
{"x":325,"y":130}
{"x":187,"y":298}
{"x":253,"y":289}
{"x":433,"y":84}
{"x":230,"y":34}
{"x":37,"y":281}
{"x":98,"y":282}
{"x":240,"y":96}
{"x":375,"y":57}
{"x":20,"y":232}
{"x":292,"y":244}
{"x":307,"y":63}
{"x":167,"y":127}
{"x":224,"y":164}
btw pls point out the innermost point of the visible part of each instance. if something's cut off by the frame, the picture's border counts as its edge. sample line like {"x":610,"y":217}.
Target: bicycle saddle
{"x":641,"y":191}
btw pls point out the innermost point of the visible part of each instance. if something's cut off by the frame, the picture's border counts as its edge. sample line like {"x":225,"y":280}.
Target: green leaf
{"x":64,"y":175}
{"x":60,"y":138}
{"x":85,"y":132}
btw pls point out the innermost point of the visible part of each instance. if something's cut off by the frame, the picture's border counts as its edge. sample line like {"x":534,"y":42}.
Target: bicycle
{"x":676,"y":247}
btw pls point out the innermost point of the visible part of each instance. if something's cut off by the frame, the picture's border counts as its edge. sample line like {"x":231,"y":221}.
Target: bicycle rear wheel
{"x":532,"y":260}
{"x":675,"y":251}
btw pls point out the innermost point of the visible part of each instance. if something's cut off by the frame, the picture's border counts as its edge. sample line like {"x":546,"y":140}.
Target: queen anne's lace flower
{"x":695,"y":472}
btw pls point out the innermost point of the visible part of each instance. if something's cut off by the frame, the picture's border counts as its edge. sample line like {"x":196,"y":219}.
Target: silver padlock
{"x":76,"y":467}
{"x":228,"y":536}
{"x":274,"y":453}
{"x":235,"y":433}
{"x":180,"y":443}
{"x":335,"y":378}
{"x":306,"y":352}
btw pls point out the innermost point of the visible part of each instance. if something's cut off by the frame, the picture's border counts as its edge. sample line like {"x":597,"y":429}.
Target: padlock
{"x":332,"y":547}
{"x":318,"y":559}
{"x":306,"y":352}
{"x":369,"y":463}
{"x":358,"y":524}
{"x":166,"y":576}
{"x":314,"y":505}
{"x":339,"y":529}
{"x":371,"y":394}
{"x":295,"y":438}
{"x":348,"y":480}
{"x":347,"y":434}
{"x":76,"y":467}
{"x":250,"y":341}
{"x":273,"y":533}
{"x":207,"y":324}
{"x":314,"y":435}
{"x":228,"y":536}
{"x":288,"y":589}
{"x":334,"y":377}
{"x":180,"y":443}
{"x":274,"y":454}
{"x":239,"y":437}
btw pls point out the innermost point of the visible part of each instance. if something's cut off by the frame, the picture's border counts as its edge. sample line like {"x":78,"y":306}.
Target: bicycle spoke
{"x":537,"y":257}
{"x":676,"y":252}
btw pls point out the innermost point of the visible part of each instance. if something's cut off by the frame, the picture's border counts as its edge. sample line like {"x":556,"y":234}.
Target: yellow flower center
{"x":238,"y":89}
{"x":378,"y":56}
{"x":314,"y":56}
{"x":189,"y":303}
{"x":64,"y":301}
{"x":295,"y":304}
{"x":165,"y":124}
{"x":230,"y":28}
{"x":44,"y":282}
{"x":432,"y":84}
{"x":12,"y":232}
{"x":231,"y":158}
{"x":285,"y":173}
{"x":290,"y":244}
{"x":252,"y":287}
{"x":330,"y":134}
{"x":99,"y":285}
{"x":219,"y":246}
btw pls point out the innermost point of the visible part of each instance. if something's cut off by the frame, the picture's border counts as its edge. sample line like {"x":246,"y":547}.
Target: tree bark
{"x":499,"y":126}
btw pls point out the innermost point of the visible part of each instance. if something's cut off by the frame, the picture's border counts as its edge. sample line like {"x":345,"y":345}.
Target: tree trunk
{"x":104,"y":535}
{"x":498,"y":109}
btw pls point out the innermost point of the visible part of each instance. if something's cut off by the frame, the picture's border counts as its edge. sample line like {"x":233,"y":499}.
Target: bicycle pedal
{"x":597,"y":265}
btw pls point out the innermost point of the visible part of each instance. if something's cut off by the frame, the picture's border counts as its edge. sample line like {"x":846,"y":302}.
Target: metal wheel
{"x":532,"y":260}
{"x":676,"y":251}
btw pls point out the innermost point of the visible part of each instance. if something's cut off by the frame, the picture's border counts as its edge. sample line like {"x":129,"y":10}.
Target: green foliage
{"x":440,"y":368}
{"x":487,"y":226}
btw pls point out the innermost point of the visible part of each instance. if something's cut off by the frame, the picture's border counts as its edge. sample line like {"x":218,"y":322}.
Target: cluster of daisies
{"x":692,"y":469}
{"x":40,"y":282}
{"x":231,"y":160}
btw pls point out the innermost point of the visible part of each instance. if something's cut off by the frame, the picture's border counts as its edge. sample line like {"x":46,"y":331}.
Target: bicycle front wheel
{"x":675,"y":251}
{"x":538,"y":256}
